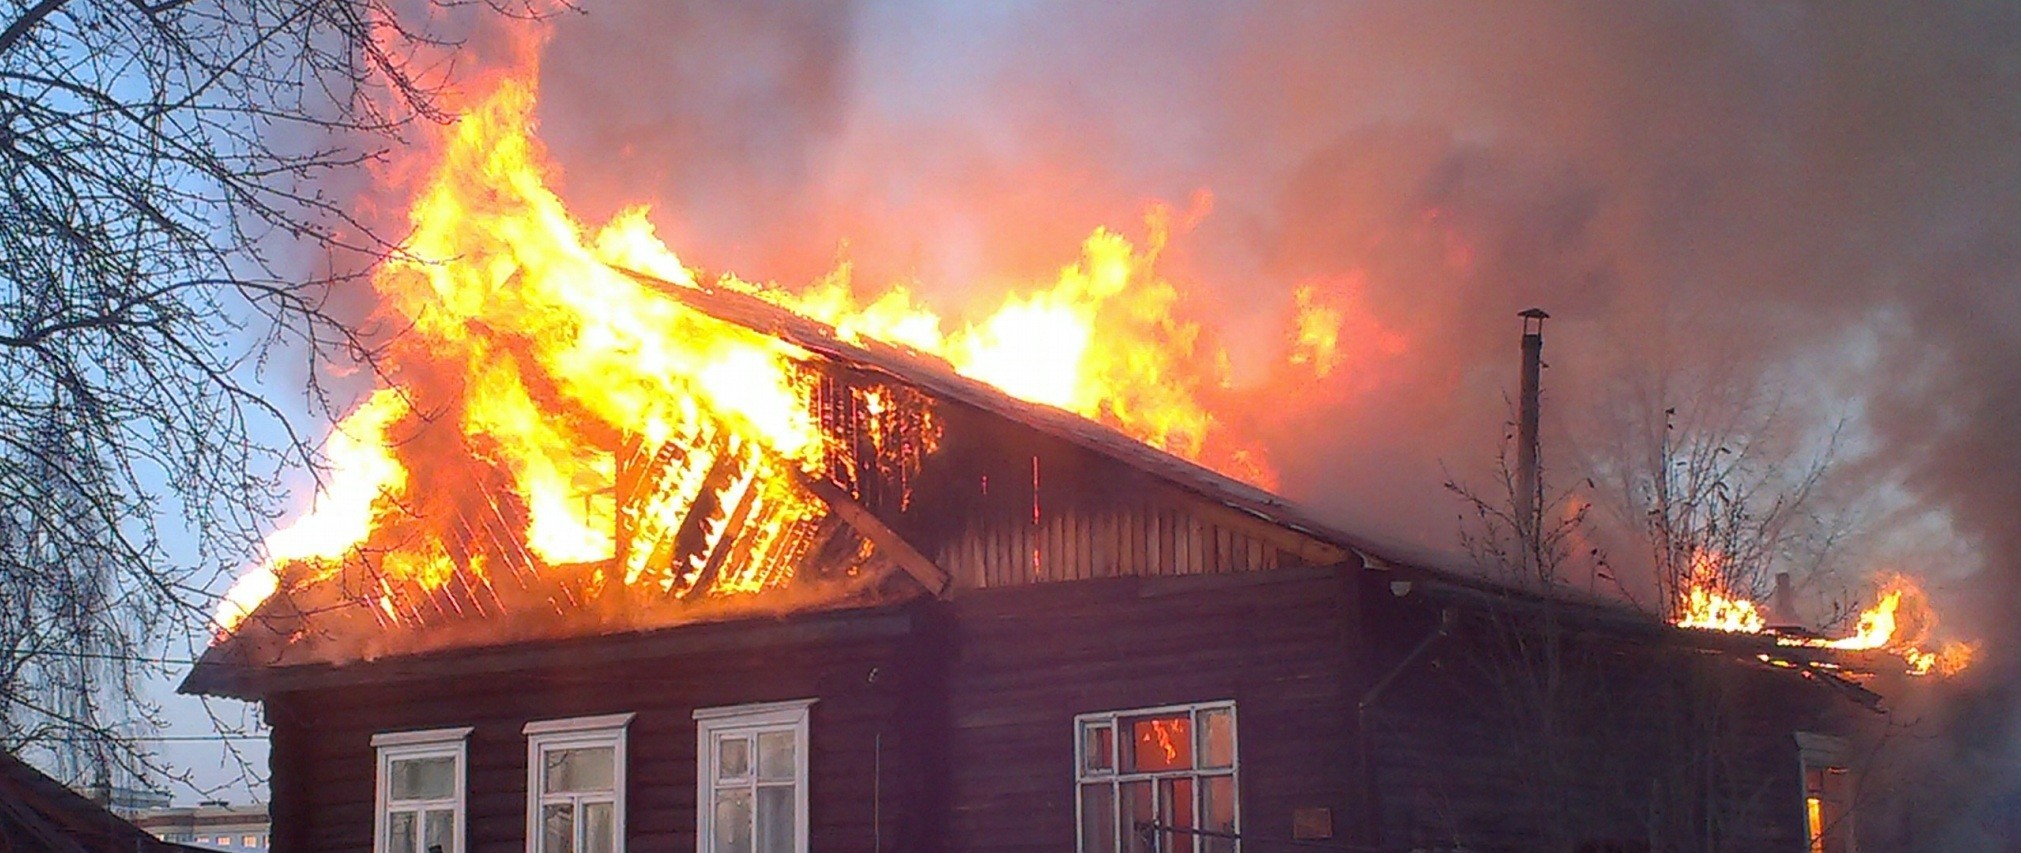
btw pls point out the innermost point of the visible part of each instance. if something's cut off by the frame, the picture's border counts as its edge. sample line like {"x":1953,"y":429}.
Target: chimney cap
{"x":1535,"y":314}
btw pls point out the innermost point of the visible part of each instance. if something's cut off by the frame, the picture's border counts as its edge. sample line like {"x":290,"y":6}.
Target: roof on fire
{"x":224,"y":670}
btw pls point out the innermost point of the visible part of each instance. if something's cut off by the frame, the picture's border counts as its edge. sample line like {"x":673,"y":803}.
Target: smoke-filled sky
{"x":1813,"y":209}
{"x":1806,"y":206}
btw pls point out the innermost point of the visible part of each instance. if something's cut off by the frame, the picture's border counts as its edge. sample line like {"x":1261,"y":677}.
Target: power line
{"x":107,"y":656}
{"x":216,"y":738}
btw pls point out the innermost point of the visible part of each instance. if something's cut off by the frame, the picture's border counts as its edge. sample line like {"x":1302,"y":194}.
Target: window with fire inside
{"x":1158,"y":779}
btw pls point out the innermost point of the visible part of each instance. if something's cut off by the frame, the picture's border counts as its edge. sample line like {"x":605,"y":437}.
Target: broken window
{"x":752,"y":770}
{"x":420,"y":791}
{"x":575,"y":786}
{"x":1159,"y":779}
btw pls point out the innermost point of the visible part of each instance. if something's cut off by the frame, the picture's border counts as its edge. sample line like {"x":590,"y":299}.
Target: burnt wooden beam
{"x":867,"y":524}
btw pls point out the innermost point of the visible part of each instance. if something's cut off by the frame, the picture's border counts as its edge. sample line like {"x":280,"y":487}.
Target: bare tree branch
{"x":174,"y":237}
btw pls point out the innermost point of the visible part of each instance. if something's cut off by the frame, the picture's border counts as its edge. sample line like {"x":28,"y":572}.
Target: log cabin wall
{"x":1650,"y":747}
{"x":1026,"y":661}
{"x":866,"y":740}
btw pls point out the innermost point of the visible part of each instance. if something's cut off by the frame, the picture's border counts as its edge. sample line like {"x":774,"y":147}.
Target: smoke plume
{"x":1810,"y":210}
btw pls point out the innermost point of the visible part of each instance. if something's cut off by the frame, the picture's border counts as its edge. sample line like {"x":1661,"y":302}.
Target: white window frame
{"x":761,"y":716}
{"x":574,"y":732}
{"x":428,"y":743}
{"x":1114,"y":777}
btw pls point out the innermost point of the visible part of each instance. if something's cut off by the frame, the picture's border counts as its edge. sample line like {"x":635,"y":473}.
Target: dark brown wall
{"x":324,"y":766}
{"x":1027,"y":660}
{"x":1645,"y":742}
{"x":974,"y":698}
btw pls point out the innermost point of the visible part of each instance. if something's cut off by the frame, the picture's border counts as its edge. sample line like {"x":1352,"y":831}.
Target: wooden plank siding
{"x":1026,"y":661}
{"x":869,"y":733}
{"x":1000,"y":505}
{"x":1070,"y":546}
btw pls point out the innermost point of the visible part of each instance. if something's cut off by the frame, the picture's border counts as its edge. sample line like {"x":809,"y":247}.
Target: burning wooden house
{"x":986,"y":625}
{"x":757,"y":584}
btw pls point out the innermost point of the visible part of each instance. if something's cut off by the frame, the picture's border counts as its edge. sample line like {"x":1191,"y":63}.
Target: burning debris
{"x":1899,"y":623}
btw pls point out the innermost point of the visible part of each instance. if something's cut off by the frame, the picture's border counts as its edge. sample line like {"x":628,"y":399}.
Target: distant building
{"x":210,"y":826}
{"x":126,"y":801}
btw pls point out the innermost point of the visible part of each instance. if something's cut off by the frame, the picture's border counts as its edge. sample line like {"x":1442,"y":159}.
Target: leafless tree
{"x":1714,"y":482}
{"x":170,"y":232}
{"x":1698,"y":495}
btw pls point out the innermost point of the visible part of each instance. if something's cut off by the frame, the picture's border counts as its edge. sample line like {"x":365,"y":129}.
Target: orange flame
{"x":581,"y":432}
{"x":1707,"y":602}
{"x":1100,"y":341}
{"x":1899,"y":622}
{"x":362,"y":472}
{"x":1166,"y":737}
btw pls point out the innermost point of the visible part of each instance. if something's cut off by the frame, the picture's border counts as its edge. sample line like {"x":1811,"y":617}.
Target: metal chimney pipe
{"x":1529,"y":485}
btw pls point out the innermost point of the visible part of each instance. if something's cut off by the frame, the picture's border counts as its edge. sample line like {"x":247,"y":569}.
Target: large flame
{"x":554,"y":422}
{"x":1709,"y":603}
{"x":1101,"y":340}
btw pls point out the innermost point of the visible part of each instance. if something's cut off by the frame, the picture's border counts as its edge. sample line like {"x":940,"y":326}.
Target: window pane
{"x":1137,"y":814}
{"x":775,"y":756}
{"x":1098,"y":818}
{"x":557,"y":828}
{"x":422,"y":778}
{"x":1175,"y":808}
{"x":775,"y":817}
{"x":1217,"y":810}
{"x":438,"y":831}
{"x":733,"y":821}
{"x":1217,"y":738}
{"x":599,"y":828}
{"x":400,"y":833}
{"x":733,"y":757}
{"x":1098,"y":749}
{"x":578,"y":770}
{"x":1159,"y":743}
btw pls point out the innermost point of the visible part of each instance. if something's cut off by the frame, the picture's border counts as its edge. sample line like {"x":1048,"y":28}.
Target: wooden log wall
{"x":1026,"y":661}
{"x":1653,"y":743}
{"x":867,"y":740}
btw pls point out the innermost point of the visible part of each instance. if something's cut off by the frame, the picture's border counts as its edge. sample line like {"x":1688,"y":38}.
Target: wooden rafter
{"x":894,"y":546}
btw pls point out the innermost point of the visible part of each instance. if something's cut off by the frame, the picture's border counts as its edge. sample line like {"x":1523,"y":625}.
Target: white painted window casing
{"x":420,"y":790}
{"x":751,"y":777}
{"x":1174,"y":766}
{"x":575,"y":784}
